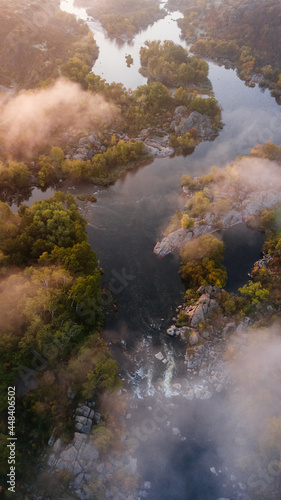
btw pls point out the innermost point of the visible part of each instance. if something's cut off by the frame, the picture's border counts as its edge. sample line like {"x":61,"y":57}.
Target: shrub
{"x":199,"y":204}
{"x":187,"y":222}
{"x":255,"y":292}
{"x":103,"y":436}
{"x":206,"y":246}
{"x":267,"y":218}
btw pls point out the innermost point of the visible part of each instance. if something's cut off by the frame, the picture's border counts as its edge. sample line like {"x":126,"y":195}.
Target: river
{"x":124,"y":226}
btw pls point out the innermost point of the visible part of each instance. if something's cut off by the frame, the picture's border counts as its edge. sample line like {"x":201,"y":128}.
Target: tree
{"x":255,"y":292}
{"x":187,"y":222}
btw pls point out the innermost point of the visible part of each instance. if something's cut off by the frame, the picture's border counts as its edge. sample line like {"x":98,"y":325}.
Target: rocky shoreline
{"x":246,"y":201}
{"x":156,"y":139}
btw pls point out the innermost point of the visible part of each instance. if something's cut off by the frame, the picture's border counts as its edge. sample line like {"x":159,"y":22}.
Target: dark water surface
{"x":242,"y":250}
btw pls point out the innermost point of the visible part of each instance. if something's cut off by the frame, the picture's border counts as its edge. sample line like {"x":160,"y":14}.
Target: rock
{"x":52,"y":460}
{"x":83,"y":424}
{"x":204,"y":306}
{"x":228,"y":328}
{"x":131,"y":467}
{"x":213,"y":470}
{"x":51,"y":440}
{"x":212,"y":291}
{"x":150,"y":150}
{"x":179,"y":110}
{"x":88,"y":454}
{"x":144,"y":133}
{"x":71,"y":393}
{"x":172,"y":242}
{"x":173,"y":331}
{"x":254,"y":203}
{"x":189,"y":395}
{"x":242,"y":486}
{"x":69,"y":455}
{"x":205,"y":334}
{"x":81,"y":154}
{"x":193,"y":338}
{"x":147,"y":485}
{"x":97,"y":417}
{"x":206,"y":395}
{"x":83,"y":410}
{"x":202,"y":124}
{"x":159,"y":356}
{"x":57,"y":446}
{"x":231,"y":219}
{"x":78,"y":480}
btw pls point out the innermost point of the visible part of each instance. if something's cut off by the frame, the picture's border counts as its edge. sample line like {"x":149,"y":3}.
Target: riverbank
{"x":217,"y":201}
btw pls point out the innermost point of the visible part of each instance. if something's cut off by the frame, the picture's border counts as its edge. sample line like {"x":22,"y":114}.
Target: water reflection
{"x":242,"y":249}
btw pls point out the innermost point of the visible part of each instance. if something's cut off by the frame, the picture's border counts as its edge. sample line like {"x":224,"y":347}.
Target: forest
{"x":170,"y":64}
{"x":32,"y":52}
{"x":124,"y":19}
{"x":51,"y":315}
{"x":241,"y":33}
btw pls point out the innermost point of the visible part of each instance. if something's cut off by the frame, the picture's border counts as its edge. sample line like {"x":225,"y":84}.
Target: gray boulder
{"x":172,"y":242}
{"x":202,"y":124}
{"x":193,"y":338}
{"x":204,"y":306}
{"x":231,"y":219}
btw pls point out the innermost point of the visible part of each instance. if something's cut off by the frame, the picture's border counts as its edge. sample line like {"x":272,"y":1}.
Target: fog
{"x":31,"y":119}
{"x":227,"y":446}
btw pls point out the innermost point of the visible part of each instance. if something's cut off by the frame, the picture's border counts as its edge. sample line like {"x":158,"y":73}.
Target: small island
{"x":129,"y":60}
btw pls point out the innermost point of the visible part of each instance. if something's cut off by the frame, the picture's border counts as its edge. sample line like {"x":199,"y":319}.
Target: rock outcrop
{"x":201,"y":123}
{"x":201,"y":311}
{"x":239,"y":199}
{"x":82,"y":459}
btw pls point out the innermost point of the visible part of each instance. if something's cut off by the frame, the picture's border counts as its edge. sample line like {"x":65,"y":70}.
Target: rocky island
{"x":214,"y":202}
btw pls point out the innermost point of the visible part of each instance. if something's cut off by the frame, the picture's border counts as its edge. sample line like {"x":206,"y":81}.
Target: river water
{"x":124,"y":226}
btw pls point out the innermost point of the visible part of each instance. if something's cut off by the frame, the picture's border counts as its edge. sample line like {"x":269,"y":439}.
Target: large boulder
{"x":204,"y":306}
{"x":172,"y":242}
{"x":231,"y":219}
{"x":254,"y":203}
{"x":202,"y":124}
{"x":193,"y":338}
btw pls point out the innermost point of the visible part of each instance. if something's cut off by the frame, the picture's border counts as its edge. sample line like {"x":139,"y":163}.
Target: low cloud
{"x":30,"y":119}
